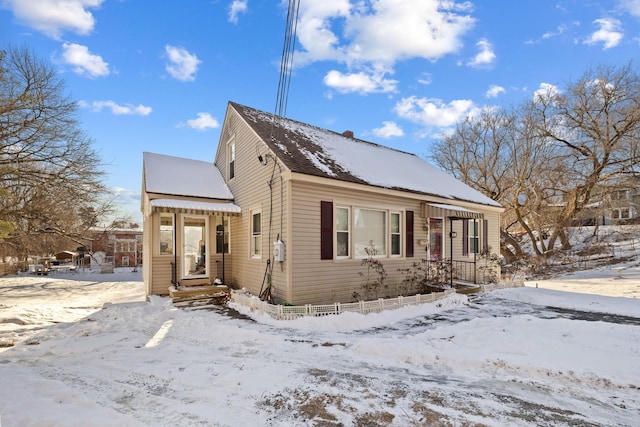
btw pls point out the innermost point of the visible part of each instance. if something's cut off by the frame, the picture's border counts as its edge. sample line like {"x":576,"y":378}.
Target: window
{"x":256,"y":235}
{"x":232,"y":159}
{"x":353,"y":232}
{"x":194,"y":250}
{"x":342,"y":232}
{"x":369,"y":233}
{"x":222,"y":234}
{"x":395,"y":228}
{"x":166,"y":234}
{"x":619,"y":195}
{"x":474,"y":236}
{"x":125,"y":261}
{"x":623,"y":213}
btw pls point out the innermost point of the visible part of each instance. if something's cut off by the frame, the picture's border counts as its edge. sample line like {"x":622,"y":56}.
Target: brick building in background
{"x":122,"y":247}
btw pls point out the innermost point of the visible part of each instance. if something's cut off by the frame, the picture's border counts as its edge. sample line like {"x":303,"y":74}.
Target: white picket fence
{"x":500,"y":285}
{"x":286,"y":312}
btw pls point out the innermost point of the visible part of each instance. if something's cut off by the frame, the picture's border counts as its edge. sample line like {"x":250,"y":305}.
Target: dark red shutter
{"x":326,"y":230}
{"x":409,"y":234}
{"x":465,"y":237}
{"x":485,"y":235}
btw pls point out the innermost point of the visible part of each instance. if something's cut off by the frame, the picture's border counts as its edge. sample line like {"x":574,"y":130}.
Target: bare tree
{"x":595,"y":123}
{"x":543,"y":159}
{"x":50,"y":174}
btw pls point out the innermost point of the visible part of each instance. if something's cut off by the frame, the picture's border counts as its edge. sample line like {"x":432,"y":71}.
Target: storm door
{"x":435,"y":239}
{"x":194,"y":248}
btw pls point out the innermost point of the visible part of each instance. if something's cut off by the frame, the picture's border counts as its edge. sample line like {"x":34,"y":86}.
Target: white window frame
{"x":347,"y":232}
{"x":350,"y":231}
{"x":231,"y":157}
{"x":371,"y":243}
{"x":398,"y":233}
{"x":172,"y":230}
{"x":207,"y":247}
{"x":473,"y":235}
{"x":255,"y":237}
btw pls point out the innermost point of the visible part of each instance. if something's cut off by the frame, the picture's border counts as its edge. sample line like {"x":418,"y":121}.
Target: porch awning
{"x":195,"y":208}
{"x":449,"y":211}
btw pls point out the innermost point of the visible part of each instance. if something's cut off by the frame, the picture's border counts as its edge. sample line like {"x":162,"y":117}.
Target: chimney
{"x":348,"y":133}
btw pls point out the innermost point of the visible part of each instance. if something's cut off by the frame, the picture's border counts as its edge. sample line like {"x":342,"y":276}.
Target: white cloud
{"x":118,"y":110}
{"x":631,"y":6}
{"x":545,"y":92}
{"x":376,"y":35}
{"x":53,"y":17}
{"x":182,"y":64}
{"x":609,"y":33}
{"x":432,"y":112}
{"x":494,"y":91}
{"x":203,"y":122}
{"x":84,"y":62}
{"x":559,"y":30}
{"x":382,"y":32}
{"x":425,"y":79}
{"x":388,"y":130}
{"x":235,"y":8}
{"x":485,"y":55}
{"x":361,"y":82}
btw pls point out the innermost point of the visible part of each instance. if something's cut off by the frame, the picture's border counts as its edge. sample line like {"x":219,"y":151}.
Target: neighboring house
{"x":301,"y":210}
{"x":616,"y":201}
{"x":121,"y":247}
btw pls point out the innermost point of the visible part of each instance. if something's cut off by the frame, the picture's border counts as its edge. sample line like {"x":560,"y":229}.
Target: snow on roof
{"x":185,"y":177}
{"x":315,"y":151}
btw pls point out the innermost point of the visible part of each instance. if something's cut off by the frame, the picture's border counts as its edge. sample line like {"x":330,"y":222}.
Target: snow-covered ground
{"x":90,"y":350}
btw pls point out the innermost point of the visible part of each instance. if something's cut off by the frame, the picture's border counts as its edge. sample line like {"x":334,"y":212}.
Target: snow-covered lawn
{"x":90,"y":350}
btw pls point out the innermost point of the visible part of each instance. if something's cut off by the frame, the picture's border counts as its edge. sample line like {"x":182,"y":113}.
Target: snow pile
{"x":91,"y":350}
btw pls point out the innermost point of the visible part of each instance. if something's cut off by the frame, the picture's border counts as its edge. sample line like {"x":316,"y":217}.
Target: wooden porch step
{"x":218,"y":294}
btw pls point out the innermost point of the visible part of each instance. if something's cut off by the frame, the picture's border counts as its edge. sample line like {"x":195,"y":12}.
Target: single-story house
{"x":303,"y":211}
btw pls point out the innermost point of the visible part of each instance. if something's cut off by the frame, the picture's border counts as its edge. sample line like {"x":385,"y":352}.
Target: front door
{"x":194,"y":250}
{"x":435,"y":239}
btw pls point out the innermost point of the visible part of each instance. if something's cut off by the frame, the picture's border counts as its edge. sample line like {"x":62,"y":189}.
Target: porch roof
{"x":195,"y":207}
{"x":450,"y":211}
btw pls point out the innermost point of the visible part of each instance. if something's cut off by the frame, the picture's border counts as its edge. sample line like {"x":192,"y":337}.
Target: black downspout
{"x":175,"y":251}
{"x":223,"y":250}
{"x":451,"y":250}
{"x":475,"y":266}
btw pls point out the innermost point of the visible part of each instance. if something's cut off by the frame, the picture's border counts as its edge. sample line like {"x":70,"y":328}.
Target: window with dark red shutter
{"x":485,"y":235}
{"x":409,"y":234}
{"x":326,"y":230}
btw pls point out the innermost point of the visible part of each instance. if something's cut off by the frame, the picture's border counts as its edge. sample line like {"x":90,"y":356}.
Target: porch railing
{"x":466,"y":271}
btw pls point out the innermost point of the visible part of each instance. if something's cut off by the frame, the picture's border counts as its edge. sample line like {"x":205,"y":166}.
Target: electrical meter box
{"x":278,"y":251}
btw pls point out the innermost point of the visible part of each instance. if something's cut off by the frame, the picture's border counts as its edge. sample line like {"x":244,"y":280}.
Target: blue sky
{"x":157,"y":76}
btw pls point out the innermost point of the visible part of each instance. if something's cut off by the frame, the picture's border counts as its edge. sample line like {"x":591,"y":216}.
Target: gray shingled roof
{"x":311,"y":150}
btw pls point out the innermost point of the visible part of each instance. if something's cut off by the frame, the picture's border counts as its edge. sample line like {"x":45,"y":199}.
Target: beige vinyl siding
{"x":147,"y":238}
{"x":161,"y":275}
{"x":327,"y":281}
{"x":252,"y":193}
{"x":157,"y":268}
